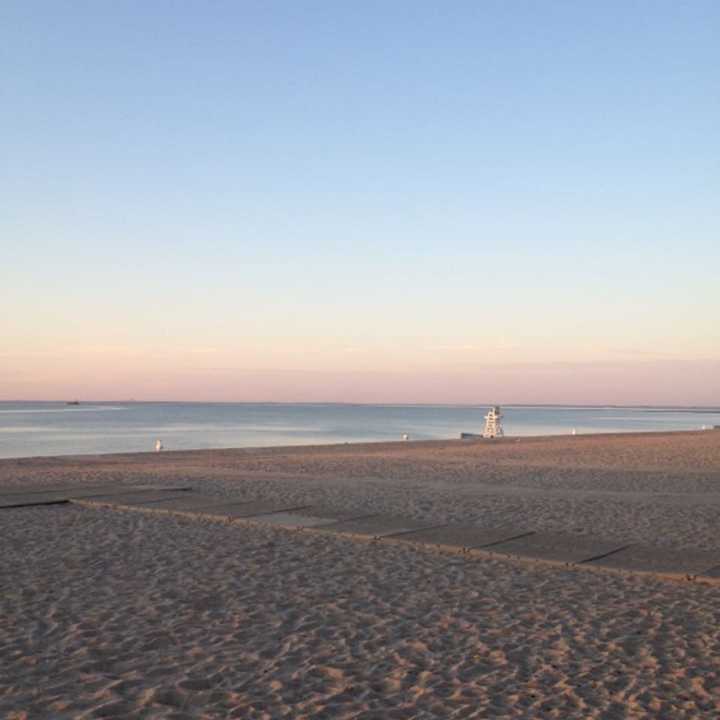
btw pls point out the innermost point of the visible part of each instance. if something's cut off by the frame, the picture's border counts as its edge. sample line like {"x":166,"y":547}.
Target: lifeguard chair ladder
{"x":493,"y":423}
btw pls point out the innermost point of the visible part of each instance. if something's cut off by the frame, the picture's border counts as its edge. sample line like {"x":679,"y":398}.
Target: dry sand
{"x":106,"y":613}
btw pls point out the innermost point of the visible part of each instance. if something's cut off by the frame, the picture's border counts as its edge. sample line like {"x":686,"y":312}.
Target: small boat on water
{"x":72,"y":402}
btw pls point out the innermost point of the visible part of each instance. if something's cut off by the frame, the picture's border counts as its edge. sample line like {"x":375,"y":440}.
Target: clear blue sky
{"x":313,"y":187}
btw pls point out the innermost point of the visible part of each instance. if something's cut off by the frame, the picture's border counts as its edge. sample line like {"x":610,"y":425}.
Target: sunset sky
{"x":514,"y":202}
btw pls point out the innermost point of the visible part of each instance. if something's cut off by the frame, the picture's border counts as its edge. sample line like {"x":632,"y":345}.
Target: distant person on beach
{"x":158,"y":445}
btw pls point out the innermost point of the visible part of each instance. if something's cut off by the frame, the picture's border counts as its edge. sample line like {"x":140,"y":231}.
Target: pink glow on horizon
{"x":647,"y":383}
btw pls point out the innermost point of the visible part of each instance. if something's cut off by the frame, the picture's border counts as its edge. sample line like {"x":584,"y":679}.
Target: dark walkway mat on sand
{"x":378,"y":526}
{"x":559,"y":547}
{"x":312,"y":517}
{"x":713,"y":572}
{"x":52,"y":489}
{"x":28,"y":500}
{"x":132,"y":497}
{"x":462,"y":536}
{"x":200,"y":505}
{"x":253,"y":510}
{"x":187,"y":502}
{"x":661,"y":560}
{"x":56,"y":495}
{"x":512,"y":542}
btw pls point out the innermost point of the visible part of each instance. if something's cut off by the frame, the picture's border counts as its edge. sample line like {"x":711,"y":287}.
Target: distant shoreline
{"x":310,"y":403}
{"x":55,"y":429}
{"x":372,"y":446}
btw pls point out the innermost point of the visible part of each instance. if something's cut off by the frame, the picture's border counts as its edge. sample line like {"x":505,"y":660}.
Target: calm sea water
{"x":30,"y":429}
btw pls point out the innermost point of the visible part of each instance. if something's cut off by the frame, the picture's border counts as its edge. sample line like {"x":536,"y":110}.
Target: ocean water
{"x":34,"y":429}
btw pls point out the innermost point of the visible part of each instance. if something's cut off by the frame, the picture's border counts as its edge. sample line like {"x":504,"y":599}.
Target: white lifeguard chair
{"x":493,"y":423}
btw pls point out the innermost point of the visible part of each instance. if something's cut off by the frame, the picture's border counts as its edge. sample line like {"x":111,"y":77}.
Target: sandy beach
{"x":108,"y":613}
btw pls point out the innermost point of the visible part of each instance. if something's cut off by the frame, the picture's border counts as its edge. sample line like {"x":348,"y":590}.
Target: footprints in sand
{"x":254,"y":622}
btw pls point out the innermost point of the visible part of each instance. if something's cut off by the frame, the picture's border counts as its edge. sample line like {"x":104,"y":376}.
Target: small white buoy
{"x":158,"y":445}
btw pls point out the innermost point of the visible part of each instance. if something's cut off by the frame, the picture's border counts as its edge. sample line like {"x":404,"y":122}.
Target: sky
{"x":498,"y":201}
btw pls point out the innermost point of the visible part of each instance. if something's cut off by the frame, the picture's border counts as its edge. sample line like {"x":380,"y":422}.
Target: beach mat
{"x":186,"y":502}
{"x":713,"y":572}
{"x":78,"y":490}
{"x":20,"y":500}
{"x":661,"y":560}
{"x":312,"y":517}
{"x":462,"y":537}
{"x":378,"y":526}
{"x":558,"y":547}
{"x":251,"y":510}
{"x":57,"y":495}
{"x":129,"y":499}
{"x":192,"y":504}
{"x":52,"y":489}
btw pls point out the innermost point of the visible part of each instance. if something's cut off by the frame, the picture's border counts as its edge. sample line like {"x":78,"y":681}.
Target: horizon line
{"x":133,"y":401}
